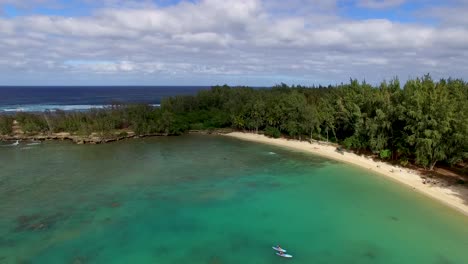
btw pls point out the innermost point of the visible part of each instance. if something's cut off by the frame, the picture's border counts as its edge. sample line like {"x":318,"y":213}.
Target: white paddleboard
{"x":279,"y":249}
{"x":284,"y":255}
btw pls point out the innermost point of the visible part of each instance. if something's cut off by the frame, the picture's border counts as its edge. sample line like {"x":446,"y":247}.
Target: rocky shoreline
{"x":97,"y":138}
{"x":78,"y":139}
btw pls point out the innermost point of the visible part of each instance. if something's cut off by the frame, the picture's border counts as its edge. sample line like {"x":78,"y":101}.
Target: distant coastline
{"x":455,"y":197}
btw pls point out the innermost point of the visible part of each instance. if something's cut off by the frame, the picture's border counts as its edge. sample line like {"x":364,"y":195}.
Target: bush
{"x":352,"y":143}
{"x":6,"y":125}
{"x":123,"y":134}
{"x":272,"y":132}
{"x":197,"y":126}
{"x":385,"y":154}
{"x":32,"y":123}
{"x":404,"y":162}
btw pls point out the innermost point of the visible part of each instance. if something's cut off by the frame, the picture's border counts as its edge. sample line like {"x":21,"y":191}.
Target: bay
{"x":211,"y":199}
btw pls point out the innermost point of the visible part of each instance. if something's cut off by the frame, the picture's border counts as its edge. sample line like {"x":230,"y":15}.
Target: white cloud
{"x":213,"y":40}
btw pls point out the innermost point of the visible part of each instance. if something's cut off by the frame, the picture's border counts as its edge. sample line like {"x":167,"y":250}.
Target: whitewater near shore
{"x":453,"y":196}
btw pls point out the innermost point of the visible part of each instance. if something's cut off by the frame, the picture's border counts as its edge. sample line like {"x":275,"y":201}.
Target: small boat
{"x":283,"y":255}
{"x":279,"y":249}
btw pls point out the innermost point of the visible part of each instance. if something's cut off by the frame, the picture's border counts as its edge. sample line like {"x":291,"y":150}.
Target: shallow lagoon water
{"x":213,"y":200}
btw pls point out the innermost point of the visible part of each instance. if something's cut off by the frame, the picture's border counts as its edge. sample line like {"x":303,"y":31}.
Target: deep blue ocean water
{"x":33,"y":99}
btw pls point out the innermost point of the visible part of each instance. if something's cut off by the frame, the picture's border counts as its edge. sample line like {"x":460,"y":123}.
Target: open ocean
{"x":41,"y":98}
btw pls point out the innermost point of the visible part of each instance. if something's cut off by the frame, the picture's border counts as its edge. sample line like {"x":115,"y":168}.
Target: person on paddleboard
{"x":279,"y":247}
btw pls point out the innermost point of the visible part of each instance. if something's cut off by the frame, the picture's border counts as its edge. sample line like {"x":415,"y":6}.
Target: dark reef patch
{"x":238,"y":242}
{"x":79,"y":260}
{"x":189,"y":178}
{"x":215,"y":260}
{"x":4,"y":243}
{"x":265,"y":214}
{"x":274,"y":185}
{"x":162,"y":250}
{"x":37,"y":222}
{"x":252,"y":184}
{"x":443,"y":260}
{"x":115,"y":204}
{"x":370,"y":254}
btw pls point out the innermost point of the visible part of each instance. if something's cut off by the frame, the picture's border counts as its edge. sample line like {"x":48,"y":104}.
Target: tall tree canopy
{"x":424,"y":121}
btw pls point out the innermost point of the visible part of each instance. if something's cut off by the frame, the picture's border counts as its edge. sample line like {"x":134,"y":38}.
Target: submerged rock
{"x":215,"y":260}
{"x":37,"y":222}
{"x":370,"y":254}
{"x":115,"y":204}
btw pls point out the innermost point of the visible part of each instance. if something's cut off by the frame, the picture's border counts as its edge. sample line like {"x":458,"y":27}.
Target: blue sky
{"x":403,"y":12}
{"x":238,"y":42}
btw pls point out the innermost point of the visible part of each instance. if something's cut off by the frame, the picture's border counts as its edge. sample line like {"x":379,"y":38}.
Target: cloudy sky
{"x":238,"y":42}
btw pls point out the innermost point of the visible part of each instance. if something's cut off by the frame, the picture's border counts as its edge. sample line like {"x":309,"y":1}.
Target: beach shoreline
{"x":455,"y":197}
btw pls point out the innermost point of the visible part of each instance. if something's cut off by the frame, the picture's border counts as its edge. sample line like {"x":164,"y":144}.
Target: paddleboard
{"x":279,"y":249}
{"x":284,"y":255}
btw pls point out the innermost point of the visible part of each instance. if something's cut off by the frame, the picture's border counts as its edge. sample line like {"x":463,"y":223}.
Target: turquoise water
{"x":213,"y":200}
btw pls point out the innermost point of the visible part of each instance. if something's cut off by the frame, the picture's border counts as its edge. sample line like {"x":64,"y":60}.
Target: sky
{"x":235,"y":42}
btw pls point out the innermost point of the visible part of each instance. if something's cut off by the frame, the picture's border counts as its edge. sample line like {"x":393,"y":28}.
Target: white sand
{"x":451,"y":196}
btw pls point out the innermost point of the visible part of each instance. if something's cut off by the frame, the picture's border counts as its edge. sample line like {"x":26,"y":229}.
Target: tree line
{"x":424,"y":121}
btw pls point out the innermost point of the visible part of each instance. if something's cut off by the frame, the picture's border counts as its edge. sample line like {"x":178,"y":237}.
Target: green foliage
{"x":404,"y":162}
{"x":122,"y":134}
{"x":272,"y":132}
{"x":353,"y":142}
{"x":32,"y":123}
{"x":436,"y":129}
{"x":425,"y":121}
{"x":197,"y":126}
{"x":6,"y":125}
{"x":385,"y":154}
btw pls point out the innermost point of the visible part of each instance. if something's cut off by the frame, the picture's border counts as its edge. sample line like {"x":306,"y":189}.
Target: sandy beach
{"x":455,"y":197}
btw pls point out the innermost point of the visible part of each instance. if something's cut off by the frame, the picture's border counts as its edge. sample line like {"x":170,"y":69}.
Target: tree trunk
{"x":334,"y":134}
{"x":431,"y":167}
{"x":327,"y":135}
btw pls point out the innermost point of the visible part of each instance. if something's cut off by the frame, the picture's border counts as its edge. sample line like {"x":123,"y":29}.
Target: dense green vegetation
{"x":424,"y":121}
{"x":6,"y":125}
{"x":141,"y":119}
